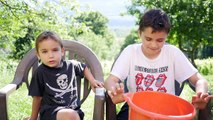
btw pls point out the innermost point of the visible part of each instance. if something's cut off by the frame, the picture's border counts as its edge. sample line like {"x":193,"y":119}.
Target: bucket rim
{"x":128,"y":96}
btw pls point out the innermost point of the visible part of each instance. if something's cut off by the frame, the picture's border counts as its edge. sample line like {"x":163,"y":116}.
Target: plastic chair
{"x":73,"y":50}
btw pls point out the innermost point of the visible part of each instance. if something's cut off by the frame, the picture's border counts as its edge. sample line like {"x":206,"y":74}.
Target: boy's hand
{"x":116,"y":93}
{"x":200,"y":100}
{"x":96,"y":84}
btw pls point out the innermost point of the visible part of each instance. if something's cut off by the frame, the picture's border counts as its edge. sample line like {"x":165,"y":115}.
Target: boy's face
{"x":152,"y":42}
{"x":50,"y":52}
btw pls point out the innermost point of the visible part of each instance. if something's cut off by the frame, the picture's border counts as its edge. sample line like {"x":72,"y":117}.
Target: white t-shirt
{"x":158,"y":74}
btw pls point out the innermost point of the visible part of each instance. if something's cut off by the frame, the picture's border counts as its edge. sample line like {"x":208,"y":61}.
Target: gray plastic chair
{"x":73,"y":50}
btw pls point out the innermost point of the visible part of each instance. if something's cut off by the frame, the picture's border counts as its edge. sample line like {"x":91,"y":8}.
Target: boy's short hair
{"x":45,"y":35}
{"x":156,"y":19}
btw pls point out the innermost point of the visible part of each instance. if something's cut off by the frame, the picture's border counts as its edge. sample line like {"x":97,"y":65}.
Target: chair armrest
{"x":4,"y":93}
{"x":98,"y":113}
{"x":110,"y":108}
{"x":205,"y":114}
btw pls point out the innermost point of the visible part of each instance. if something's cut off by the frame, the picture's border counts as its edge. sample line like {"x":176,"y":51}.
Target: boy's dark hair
{"x":45,"y":35}
{"x":156,"y":19}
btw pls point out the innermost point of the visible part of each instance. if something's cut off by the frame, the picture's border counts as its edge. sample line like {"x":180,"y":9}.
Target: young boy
{"x":54,"y":86}
{"x":153,"y":65}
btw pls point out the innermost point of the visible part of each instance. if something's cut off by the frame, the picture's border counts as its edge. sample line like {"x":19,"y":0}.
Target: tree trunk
{"x":189,"y":53}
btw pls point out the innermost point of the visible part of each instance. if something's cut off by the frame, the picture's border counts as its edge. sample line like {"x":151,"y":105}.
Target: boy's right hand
{"x":116,"y":93}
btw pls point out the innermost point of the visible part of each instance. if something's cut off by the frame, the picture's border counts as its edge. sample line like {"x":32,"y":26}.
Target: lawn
{"x":20,"y":103}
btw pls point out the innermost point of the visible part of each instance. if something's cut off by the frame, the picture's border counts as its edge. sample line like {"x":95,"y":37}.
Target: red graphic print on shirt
{"x":162,"y":89}
{"x":139,"y":88}
{"x":160,"y":80}
{"x":149,"y":89}
{"x":139,"y":78}
{"x":149,"y":79}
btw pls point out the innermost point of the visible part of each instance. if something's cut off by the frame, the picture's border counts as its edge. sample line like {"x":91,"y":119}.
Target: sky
{"x":112,"y":10}
{"x":109,"y":8}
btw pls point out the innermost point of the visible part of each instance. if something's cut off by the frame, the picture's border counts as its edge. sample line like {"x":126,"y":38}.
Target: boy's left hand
{"x":200,"y":100}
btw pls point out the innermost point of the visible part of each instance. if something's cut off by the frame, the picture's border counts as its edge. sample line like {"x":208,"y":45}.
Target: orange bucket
{"x":149,"y":105}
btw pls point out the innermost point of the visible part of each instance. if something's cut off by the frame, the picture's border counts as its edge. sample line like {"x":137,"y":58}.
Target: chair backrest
{"x":73,"y":50}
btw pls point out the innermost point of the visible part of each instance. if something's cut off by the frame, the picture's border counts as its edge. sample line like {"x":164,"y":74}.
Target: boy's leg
{"x":67,"y":114}
{"x":124,"y":112}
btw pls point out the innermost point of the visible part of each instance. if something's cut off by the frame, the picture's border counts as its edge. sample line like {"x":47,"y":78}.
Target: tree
{"x":192,"y":22}
{"x":130,"y":39}
{"x":95,"y":21}
{"x":23,"y":44}
{"x":23,"y":20}
{"x":20,"y":17}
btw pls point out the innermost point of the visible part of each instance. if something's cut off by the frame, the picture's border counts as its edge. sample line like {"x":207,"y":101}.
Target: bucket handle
{"x":128,"y":97}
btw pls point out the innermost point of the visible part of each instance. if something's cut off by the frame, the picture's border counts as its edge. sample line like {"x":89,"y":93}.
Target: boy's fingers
{"x":199,"y":94}
{"x":117,"y":85}
{"x":122,"y":85}
{"x":113,"y":91}
{"x":110,"y":94}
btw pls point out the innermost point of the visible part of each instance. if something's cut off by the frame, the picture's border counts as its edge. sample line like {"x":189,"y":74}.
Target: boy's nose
{"x":50,"y":55}
{"x":154,"y":45}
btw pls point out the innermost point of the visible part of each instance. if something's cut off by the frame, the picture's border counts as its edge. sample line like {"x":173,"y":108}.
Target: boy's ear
{"x":139,"y":33}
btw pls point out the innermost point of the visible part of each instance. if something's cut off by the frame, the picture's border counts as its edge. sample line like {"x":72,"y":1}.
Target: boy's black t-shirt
{"x":57,"y":86}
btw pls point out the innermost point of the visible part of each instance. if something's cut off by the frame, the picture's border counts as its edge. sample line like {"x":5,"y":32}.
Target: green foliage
{"x":206,"y":52}
{"x":95,"y":21}
{"x":23,"y":20}
{"x":131,"y":39}
{"x":104,"y":47}
{"x":192,"y":21}
{"x":205,"y":66}
{"x":23,"y":45}
{"x":7,"y":70}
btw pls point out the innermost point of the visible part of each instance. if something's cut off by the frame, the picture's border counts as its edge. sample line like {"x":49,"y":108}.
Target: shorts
{"x":50,"y":113}
{"x":124,"y":112}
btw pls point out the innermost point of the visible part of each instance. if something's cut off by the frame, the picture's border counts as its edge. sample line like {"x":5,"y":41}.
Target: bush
{"x":205,"y":66}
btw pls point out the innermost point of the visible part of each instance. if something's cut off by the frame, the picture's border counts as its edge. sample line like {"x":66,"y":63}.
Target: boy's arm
{"x":35,"y":107}
{"x":115,"y":89}
{"x":199,"y":82}
{"x":201,"y":98}
{"x":91,"y":79}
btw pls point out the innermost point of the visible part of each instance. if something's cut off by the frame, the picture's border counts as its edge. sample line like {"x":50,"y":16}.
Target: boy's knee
{"x":67,"y":114}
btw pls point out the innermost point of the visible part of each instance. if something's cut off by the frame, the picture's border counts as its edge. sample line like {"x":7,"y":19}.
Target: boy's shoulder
{"x":72,"y":62}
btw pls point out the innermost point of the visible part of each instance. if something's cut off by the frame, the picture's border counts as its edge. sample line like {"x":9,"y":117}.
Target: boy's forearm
{"x":88,"y":75}
{"x":110,"y":82}
{"x":201,"y":86}
{"x":199,"y":82}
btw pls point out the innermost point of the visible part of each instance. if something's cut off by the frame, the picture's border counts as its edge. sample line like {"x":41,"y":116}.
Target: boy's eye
{"x":43,"y":52}
{"x":56,"y":49}
{"x":148,"y":39}
{"x":160,"y":40}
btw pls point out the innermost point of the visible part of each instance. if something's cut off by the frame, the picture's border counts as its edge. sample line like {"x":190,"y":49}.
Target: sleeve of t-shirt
{"x":183,"y":67}
{"x":79,"y":68}
{"x":122,"y":64}
{"x":36,"y":87}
